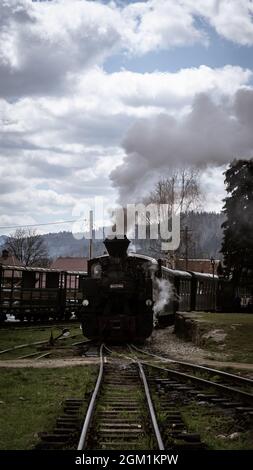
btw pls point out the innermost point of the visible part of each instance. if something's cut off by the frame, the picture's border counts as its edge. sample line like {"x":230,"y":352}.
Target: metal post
{"x":91,"y":235}
{"x":186,"y":248}
{"x":212,"y":263}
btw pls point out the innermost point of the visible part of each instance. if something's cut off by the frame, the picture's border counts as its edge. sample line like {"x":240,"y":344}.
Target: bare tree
{"x":181,"y":189}
{"x":28,"y":247}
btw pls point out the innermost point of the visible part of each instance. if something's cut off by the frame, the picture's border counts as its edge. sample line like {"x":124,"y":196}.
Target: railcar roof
{"x":146,"y":258}
{"x":39,"y":270}
{"x":176,"y":272}
{"x":205,"y":275}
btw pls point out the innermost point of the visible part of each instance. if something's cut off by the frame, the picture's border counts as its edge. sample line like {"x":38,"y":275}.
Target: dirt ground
{"x":163,"y":342}
{"x":166,"y":342}
{"x":48,"y":363}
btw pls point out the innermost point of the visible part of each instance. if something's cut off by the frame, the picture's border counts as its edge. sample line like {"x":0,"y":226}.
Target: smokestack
{"x":117,"y":247}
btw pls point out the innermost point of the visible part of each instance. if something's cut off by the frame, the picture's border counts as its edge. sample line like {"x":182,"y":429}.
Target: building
{"x":8,"y":259}
{"x":9,"y":276}
{"x":70,"y":263}
{"x":198,"y":265}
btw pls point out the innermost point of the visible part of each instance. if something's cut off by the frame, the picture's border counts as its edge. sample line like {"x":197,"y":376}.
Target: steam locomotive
{"x":118,"y":295}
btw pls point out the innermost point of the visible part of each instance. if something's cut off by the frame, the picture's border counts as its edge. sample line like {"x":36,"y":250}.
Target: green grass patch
{"x":31,"y":399}
{"x":12,"y":337}
{"x":238,"y":327}
{"x":215,"y":429}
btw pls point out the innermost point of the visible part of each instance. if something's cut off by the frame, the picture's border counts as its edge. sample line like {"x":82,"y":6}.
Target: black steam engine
{"x":117,"y":295}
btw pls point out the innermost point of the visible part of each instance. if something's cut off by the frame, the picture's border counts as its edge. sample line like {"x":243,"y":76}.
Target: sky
{"x":101,"y":98}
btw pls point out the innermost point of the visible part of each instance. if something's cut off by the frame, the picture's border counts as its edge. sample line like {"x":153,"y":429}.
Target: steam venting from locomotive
{"x":165,"y":294}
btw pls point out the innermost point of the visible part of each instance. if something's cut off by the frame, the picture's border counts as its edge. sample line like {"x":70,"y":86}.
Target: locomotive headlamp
{"x":149,"y":302}
{"x":96,"y":270}
{"x":85,"y":302}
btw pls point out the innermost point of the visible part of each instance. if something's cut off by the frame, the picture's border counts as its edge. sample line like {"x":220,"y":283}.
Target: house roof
{"x":70,"y":264}
{"x":10,"y":260}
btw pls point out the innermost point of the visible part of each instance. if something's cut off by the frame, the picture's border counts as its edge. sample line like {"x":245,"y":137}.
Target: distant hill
{"x":205,"y":236}
{"x":65,"y":244}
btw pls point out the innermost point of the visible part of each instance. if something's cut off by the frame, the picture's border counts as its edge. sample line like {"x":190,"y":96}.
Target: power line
{"x":37,"y":225}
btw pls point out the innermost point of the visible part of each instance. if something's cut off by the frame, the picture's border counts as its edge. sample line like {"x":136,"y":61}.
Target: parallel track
{"x":231,"y":379}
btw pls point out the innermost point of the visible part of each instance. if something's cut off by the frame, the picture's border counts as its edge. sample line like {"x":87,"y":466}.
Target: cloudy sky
{"x":99,"y":97}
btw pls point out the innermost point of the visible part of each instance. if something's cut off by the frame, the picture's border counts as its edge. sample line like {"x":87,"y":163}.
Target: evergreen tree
{"x":237,"y":246}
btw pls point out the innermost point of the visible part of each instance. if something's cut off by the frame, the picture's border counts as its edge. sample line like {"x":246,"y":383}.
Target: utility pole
{"x":186,"y":248}
{"x":91,"y":236}
{"x":186,"y":232}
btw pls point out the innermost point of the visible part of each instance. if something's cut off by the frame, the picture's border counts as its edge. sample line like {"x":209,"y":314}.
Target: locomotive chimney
{"x":117,"y":247}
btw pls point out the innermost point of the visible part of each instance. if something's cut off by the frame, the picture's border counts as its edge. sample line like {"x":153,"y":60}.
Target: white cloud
{"x":55,"y":151}
{"x":53,"y":38}
{"x":232,"y":19}
{"x":45,"y":45}
{"x":160,"y":24}
{"x":61,"y":145}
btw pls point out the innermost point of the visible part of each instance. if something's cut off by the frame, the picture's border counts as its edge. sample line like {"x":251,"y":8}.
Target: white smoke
{"x":211,"y":133}
{"x":164,"y":293}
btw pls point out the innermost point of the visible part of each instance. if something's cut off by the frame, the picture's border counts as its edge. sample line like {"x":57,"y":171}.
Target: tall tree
{"x":237,"y":246}
{"x":28,"y":247}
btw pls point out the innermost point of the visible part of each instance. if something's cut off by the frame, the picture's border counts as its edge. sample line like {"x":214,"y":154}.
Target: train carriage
{"x":177,"y":292}
{"x":204,"y":291}
{"x":38,"y":293}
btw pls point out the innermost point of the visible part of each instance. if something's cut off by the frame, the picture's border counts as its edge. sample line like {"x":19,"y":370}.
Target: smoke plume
{"x":212,"y":133}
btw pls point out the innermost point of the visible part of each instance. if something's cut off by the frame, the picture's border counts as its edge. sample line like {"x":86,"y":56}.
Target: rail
{"x":243,"y":395}
{"x":221,"y":373}
{"x":148,"y":397}
{"x":91,"y":406}
{"x":151,"y":408}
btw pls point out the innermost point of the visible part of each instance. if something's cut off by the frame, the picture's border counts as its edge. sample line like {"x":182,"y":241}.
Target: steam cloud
{"x":165,"y":294}
{"x":212,"y":133}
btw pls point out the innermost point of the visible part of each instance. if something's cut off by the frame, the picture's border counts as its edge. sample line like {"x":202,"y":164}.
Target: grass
{"x":238,"y":343}
{"x":212,"y":426}
{"x":31,"y":399}
{"x":210,"y":422}
{"x":10,"y":337}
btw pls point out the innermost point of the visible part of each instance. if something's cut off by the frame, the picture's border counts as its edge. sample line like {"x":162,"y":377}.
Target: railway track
{"x":221,"y":380}
{"x":121,"y":413}
{"x":129,"y":395}
{"x":45,"y":349}
{"x":37,"y":324}
{"x":177,"y":389}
